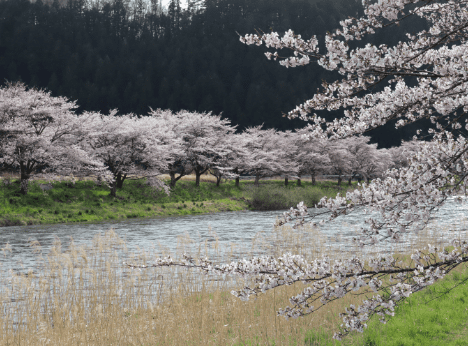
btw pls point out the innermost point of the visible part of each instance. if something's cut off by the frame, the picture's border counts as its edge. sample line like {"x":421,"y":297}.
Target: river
{"x":229,"y":231}
{"x":223,"y":236}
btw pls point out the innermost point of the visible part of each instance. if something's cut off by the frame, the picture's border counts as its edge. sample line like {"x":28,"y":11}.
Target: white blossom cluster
{"x":302,"y":49}
{"x":328,"y":280}
{"x":405,"y":199}
{"x":427,"y":77}
{"x":422,"y":77}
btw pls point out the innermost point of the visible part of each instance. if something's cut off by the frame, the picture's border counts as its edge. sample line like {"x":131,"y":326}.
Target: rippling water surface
{"x":236,"y":231}
{"x":231,"y":228}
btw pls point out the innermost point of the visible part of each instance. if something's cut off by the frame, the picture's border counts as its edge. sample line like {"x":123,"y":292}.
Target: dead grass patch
{"x":86,"y":296}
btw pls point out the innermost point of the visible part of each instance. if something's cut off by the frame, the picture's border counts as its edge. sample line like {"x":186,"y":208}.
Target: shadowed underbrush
{"x":275,"y":196}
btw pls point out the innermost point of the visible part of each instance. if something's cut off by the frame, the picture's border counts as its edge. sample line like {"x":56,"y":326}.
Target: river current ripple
{"x":230,"y":228}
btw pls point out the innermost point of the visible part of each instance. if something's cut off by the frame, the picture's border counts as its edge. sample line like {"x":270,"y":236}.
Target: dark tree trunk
{"x":257,"y":179}
{"x":299,"y":183}
{"x":25,"y":175}
{"x":339,"y":180}
{"x":198,"y":172}
{"x":286,"y":181}
{"x":113,"y":189}
{"x":218,"y":180}
{"x":120,"y":180}
{"x":173,"y":179}
{"x":24,"y":185}
{"x":236,"y":171}
{"x":313,"y":179}
{"x":197,"y":178}
{"x":117,"y":184}
{"x":349,"y":181}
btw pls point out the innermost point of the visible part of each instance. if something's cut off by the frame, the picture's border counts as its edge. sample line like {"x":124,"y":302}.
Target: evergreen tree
{"x":93,"y":51}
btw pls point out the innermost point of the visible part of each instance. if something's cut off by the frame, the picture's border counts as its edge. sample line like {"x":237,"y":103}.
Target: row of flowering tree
{"x":43,"y":133}
{"x":424,"y":77}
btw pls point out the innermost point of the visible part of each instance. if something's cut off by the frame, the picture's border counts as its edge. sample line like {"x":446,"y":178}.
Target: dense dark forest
{"x":132,"y":55}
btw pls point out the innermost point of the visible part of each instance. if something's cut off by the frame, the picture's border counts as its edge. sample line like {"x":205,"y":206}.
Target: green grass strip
{"x":437,"y":315}
{"x":86,"y":202}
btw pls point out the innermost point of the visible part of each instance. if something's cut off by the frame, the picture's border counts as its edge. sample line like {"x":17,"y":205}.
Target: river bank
{"x":86,"y":202}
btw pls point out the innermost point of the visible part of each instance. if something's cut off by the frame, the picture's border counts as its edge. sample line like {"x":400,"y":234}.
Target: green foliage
{"x":275,"y":195}
{"x":318,"y":338}
{"x":435,"y":316}
{"x":86,"y":202}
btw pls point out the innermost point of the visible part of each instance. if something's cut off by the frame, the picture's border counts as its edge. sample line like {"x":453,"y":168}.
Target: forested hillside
{"x":132,"y":55}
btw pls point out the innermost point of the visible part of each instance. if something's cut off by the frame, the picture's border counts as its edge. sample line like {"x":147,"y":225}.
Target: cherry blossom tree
{"x":241,"y":155}
{"x":315,"y":155}
{"x":230,"y":165}
{"x":340,"y":159}
{"x":266,"y":157}
{"x":305,"y":154}
{"x":38,"y":133}
{"x":175,"y":123}
{"x":377,"y":164}
{"x":290,"y":164}
{"x":204,"y":142}
{"x":361,"y":155}
{"x":131,"y":147}
{"x":401,"y":155}
{"x":422,"y":77}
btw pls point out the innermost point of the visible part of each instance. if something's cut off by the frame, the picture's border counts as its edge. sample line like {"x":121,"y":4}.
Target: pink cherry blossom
{"x":38,"y":132}
{"x":422,"y":77}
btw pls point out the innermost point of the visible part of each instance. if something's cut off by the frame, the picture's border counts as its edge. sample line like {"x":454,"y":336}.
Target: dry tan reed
{"x":190,"y":177}
{"x":83,"y":295}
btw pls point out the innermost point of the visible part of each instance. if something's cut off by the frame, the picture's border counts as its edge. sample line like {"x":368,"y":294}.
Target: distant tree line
{"x":131,"y":55}
{"x":42,"y":135}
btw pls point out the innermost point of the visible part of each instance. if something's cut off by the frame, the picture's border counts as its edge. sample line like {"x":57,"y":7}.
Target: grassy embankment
{"x":435,"y":316}
{"x":86,"y":202}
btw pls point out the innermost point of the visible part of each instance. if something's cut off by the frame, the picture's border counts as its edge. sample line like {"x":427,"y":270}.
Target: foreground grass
{"x":85,"y":296}
{"x":86,"y":202}
{"x":437,"y":315}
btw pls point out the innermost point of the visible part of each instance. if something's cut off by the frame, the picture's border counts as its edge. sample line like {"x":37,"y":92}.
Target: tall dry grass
{"x":190,"y":177}
{"x":84,"y":295}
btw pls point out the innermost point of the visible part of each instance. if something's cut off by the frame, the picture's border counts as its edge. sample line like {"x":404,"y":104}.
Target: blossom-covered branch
{"x":388,"y":278}
{"x":427,"y":77}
